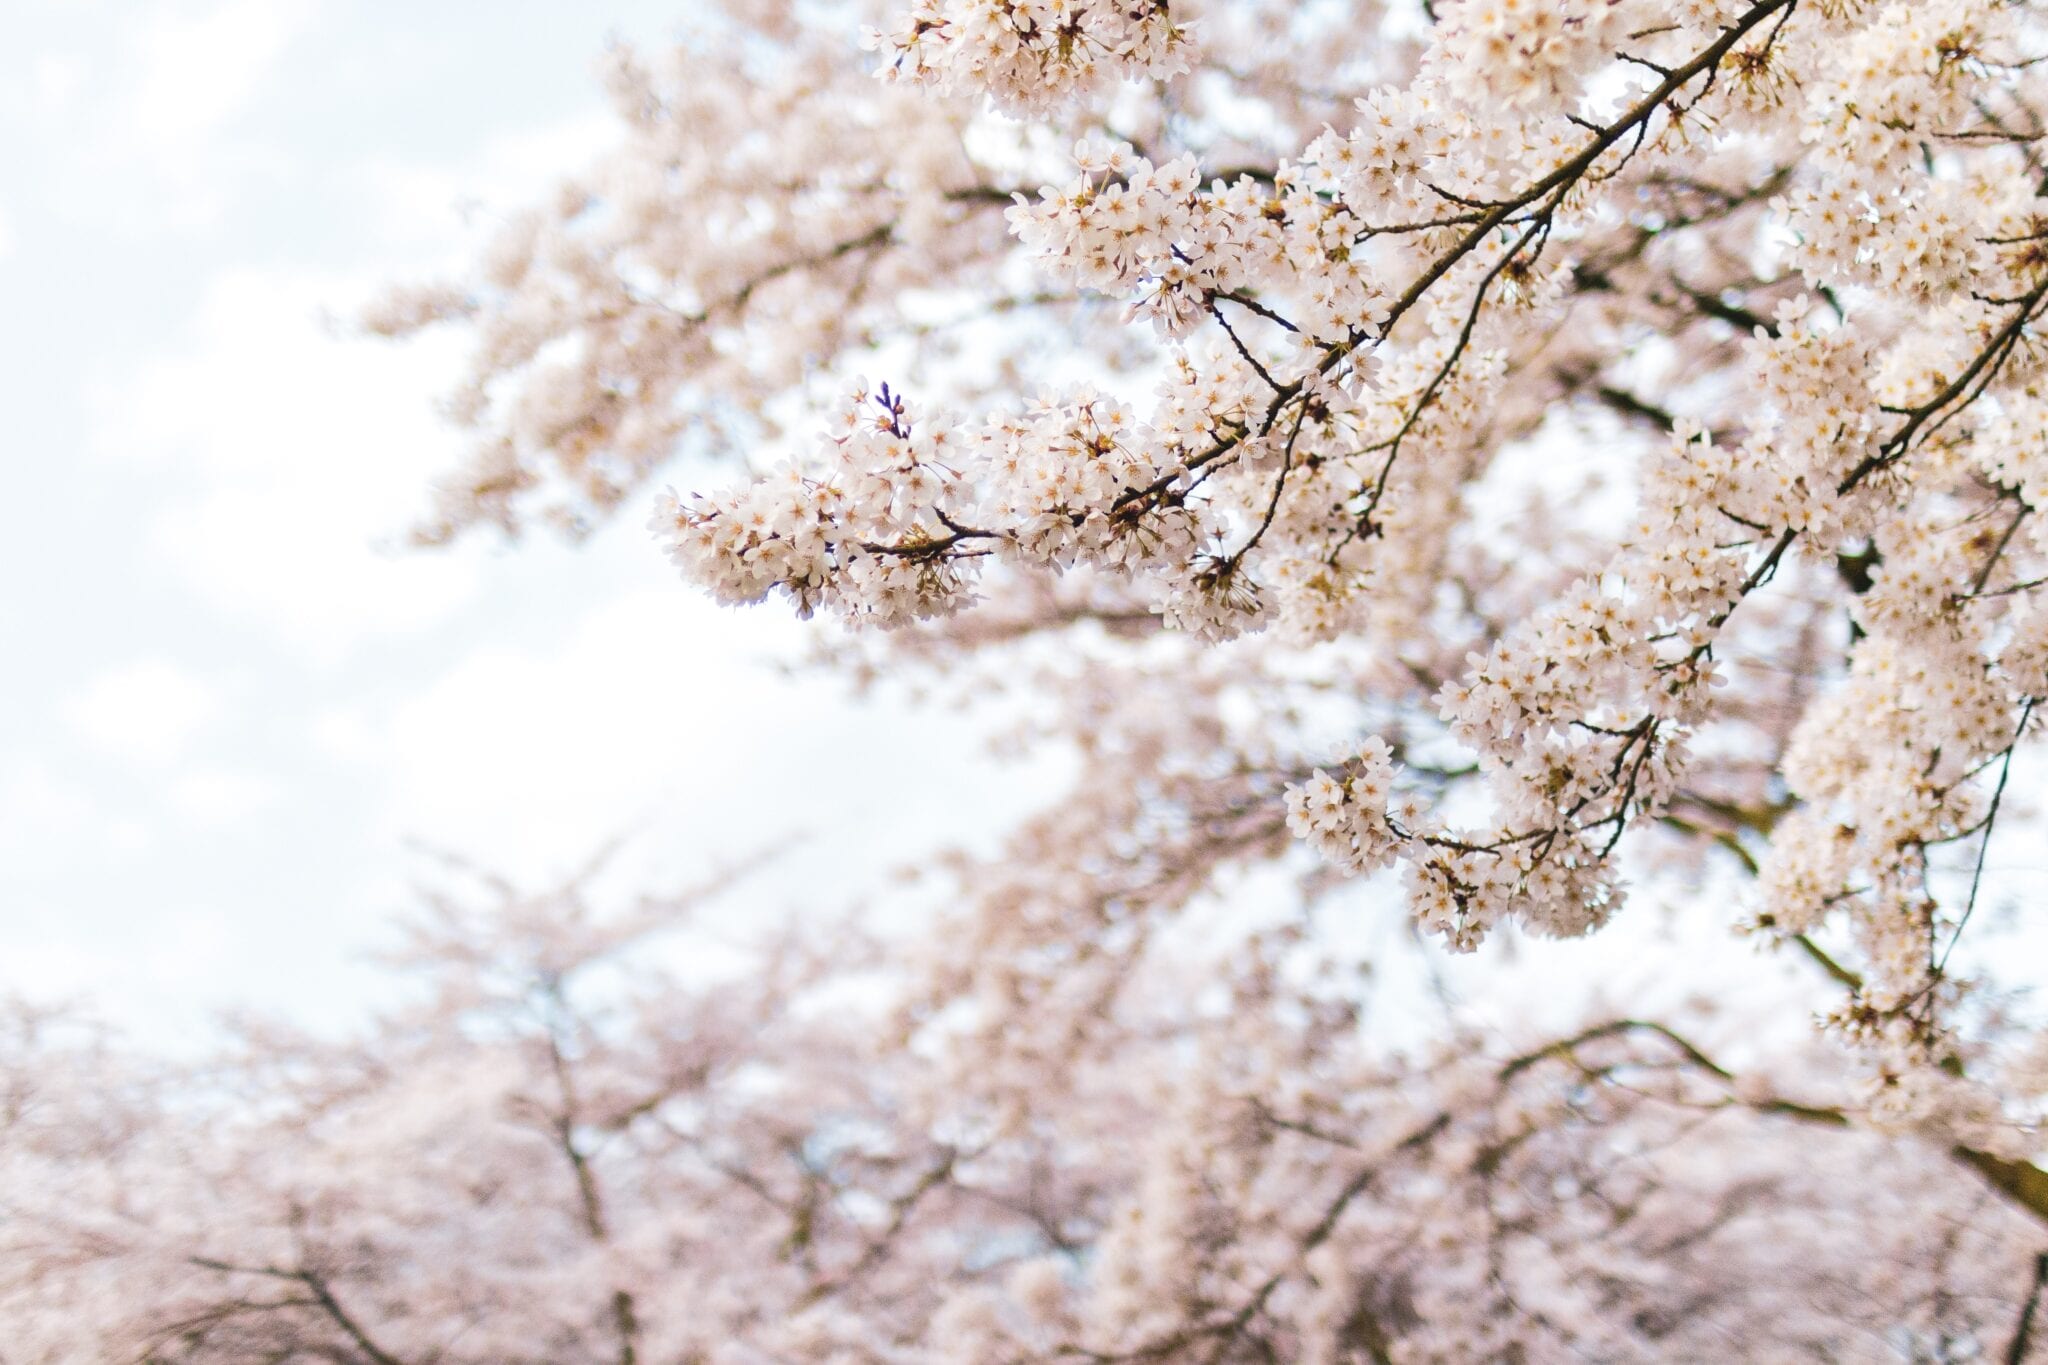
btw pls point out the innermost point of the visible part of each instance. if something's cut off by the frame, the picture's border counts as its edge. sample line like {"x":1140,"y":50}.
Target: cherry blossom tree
{"x":1489,"y":462}
{"x":1617,"y":417}
{"x":566,"y":1151}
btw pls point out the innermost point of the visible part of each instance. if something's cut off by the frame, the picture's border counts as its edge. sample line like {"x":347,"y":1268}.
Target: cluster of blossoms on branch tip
{"x":1033,"y":55}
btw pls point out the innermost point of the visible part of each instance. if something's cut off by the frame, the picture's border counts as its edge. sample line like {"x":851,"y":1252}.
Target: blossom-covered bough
{"x":1768,"y":273}
{"x":1518,"y":450}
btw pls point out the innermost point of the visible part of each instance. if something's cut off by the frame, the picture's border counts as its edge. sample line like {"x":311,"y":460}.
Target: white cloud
{"x":540,"y":756}
{"x":200,"y":69}
{"x":307,"y":570}
{"x":261,"y":374}
{"x":299,"y":455}
{"x":147,"y":985}
{"x":424,"y":204}
{"x":153,"y":105}
{"x":660,"y":721}
{"x":40,"y":809}
{"x":55,"y":80}
{"x":214,"y":798}
{"x":147,"y":712}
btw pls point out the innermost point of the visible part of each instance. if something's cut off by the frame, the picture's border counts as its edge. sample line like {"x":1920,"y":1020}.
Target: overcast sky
{"x":228,"y":705}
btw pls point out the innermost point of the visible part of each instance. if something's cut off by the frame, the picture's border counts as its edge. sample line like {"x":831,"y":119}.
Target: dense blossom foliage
{"x":563,"y":1155}
{"x":1556,"y":383}
{"x":1507,"y":454}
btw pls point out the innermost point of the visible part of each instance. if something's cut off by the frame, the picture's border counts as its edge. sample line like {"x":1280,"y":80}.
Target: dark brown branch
{"x":333,"y":1309}
{"x":322,"y":1296}
{"x":1983,"y":849}
{"x":2016,"y":1353}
